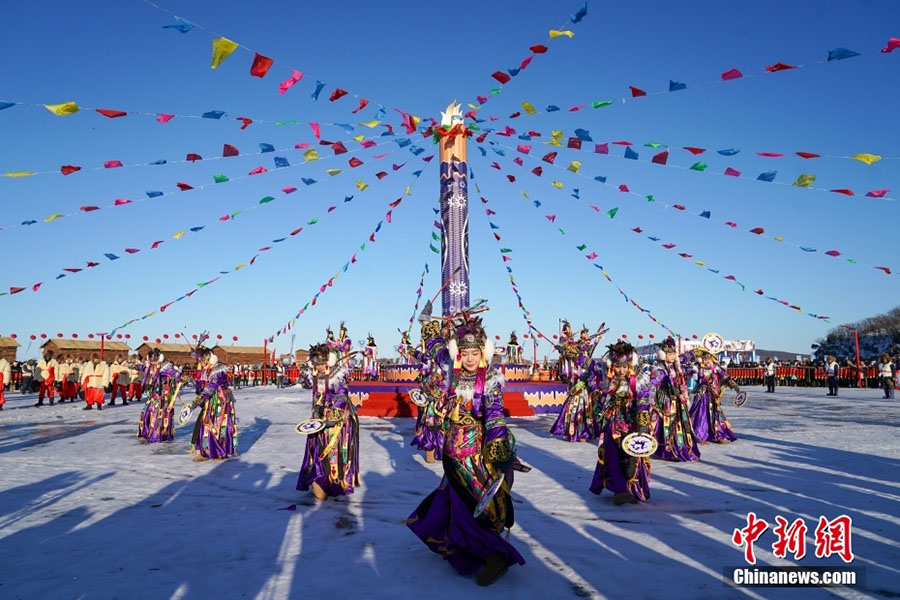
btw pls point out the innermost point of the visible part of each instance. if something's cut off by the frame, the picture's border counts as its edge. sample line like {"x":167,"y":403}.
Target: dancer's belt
{"x":464,"y":420}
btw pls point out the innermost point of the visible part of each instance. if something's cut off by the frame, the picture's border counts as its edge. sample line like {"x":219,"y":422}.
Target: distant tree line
{"x":877,"y":335}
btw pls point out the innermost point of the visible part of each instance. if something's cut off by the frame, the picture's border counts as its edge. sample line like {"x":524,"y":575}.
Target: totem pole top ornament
{"x":452,"y":116}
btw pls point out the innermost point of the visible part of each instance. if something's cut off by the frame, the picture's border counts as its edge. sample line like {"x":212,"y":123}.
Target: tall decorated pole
{"x":454,"y":210}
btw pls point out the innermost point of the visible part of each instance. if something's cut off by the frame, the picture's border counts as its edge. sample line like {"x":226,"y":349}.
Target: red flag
{"x":637,"y":230}
{"x":635,"y":92}
{"x":362,"y":104}
{"x":229,"y":150}
{"x":132,"y":250}
{"x":770,"y":154}
{"x":296,"y":231}
{"x":668,"y":246}
{"x":549,"y":157}
{"x":732,"y":172}
{"x":661,"y":158}
{"x":337,"y":94}
{"x":316,"y":130}
{"x":381,"y":174}
{"x":121,"y":201}
{"x":69,"y":169}
{"x":16,"y":290}
{"x":885,"y":269}
{"x":112,"y":164}
{"x":70,"y":270}
{"x":538,"y":48}
{"x":112,"y":114}
{"x":193,"y":157}
{"x":779,"y":67}
{"x":512,"y":178}
{"x":591,"y":256}
{"x":89,"y":208}
{"x":156,"y":244}
{"x":92,"y":264}
{"x":537,"y":171}
{"x":396,"y":203}
{"x":501,"y":77}
{"x":184,"y":186}
{"x":624,"y":188}
{"x":731,"y":74}
{"x":246,"y":122}
{"x":372,"y":237}
{"x":36,"y":286}
{"x":678,"y":206}
{"x":757,"y":230}
{"x":164,"y":118}
{"x":807,"y":154}
{"x":695,"y":151}
{"x":260,"y":66}
{"x":575,"y":143}
{"x":339,"y":148}
{"x":526,"y":62}
{"x":846,"y":192}
{"x":833,"y":253}
{"x":355,"y":162}
{"x":387,"y":216}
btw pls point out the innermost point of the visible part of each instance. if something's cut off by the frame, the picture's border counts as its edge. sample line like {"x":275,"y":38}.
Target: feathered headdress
{"x":513,"y":339}
{"x":667,"y":345}
{"x":621,"y":353}
{"x":319,"y":354}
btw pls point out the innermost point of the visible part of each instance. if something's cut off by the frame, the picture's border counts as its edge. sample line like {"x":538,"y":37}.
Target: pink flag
{"x":289,"y":82}
{"x":731,"y":74}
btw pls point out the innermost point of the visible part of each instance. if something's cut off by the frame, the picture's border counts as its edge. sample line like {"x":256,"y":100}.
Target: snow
{"x":86,"y":511}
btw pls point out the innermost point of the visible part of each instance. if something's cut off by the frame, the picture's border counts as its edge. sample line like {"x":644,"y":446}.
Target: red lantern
{"x":194,"y":336}
{"x":234,"y":338}
{"x":651,"y":336}
{"x":525,"y":336}
{"x":146,"y":338}
{"x":119,"y":336}
{"x":165,"y":336}
{"x":158,"y":340}
{"x":74,"y":336}
{"x":177,"y":335}
{"x":555,"y":336}
{"x":218,"y":336}
{"x":695,"y":336}
{"x":12,"y":335}
{"x":59,"y":335}
{"x":496,"y":337}
{"x":640,"y":337}
{"x":33,"y":337}
{"x":624,"y":336}
{"x":127,"y":336}
{"x":91,"y":335}
{"x":43,"y":336}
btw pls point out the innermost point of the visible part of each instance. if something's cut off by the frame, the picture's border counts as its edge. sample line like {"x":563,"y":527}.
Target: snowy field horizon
{"x":87,"y":511}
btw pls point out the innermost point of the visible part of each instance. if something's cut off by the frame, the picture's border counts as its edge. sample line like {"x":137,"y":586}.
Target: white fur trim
{"x":487,"y":351}
{"x":161,"y":357}
{"x":453,"y":349}
{"x":213,"y":360}
{"x":332,"y":359}
{"x":660,"y":355}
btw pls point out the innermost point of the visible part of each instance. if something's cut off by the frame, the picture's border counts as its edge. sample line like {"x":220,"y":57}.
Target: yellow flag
{"x":473,"y":107}
{"x":359,"y":138}
{"x":19,"y":174}
{"x":557,"y":135}
{"x":222,"y":47}
{"x":371,"y":124}
{"x":311,"y":155}
{"x":557,"y":184}
{"x":361,"y":185}
{"x":53,"y":217}
{"x":529,"y":108}
{"x":524,"y":194}
{"x":700,"y":263}
{"x":867,"y":158}
{"x":555,"y":33}
{"x":240,"y":266}
{"x":574,"y":166}
{"x":178,"y":235}
{"x":414,"y":120}
{"x":150,"y":314}
{"x":333,"y":172}
{"x":554,"y":142}
{"x":336,"y":275}
{"x":408,"y":188}
{"x":805,"y":180}
{"x":63,"y":110}
{"x":778,"y":238}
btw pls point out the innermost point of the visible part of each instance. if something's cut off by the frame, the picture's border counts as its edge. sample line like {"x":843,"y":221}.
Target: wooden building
{"x":241,"y":355}
{"x":8,"y":348}
{"x":178,"y":354}
{"x":81,"y":350}
{"x":301,"y":356}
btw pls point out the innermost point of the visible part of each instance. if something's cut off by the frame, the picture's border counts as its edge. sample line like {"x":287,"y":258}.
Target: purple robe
{"x":671,"y":423}
{"x":332,"y":455}
{"x":577,"y":420}
{"x":217,"y":433}
{"x":478,"y":448}
{"x":707,"y":417}
{"x":162,"y":385}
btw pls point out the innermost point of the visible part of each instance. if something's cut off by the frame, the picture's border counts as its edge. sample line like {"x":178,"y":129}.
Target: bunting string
{"x":228,"y":151}
{"x":504,"y":78}
{"x":352,"y":260}
{"x":309,"y":155}
{"x":222,"y":47}
{"x":611,"y":214}
{"x":434,"y":236}
{"x":360,"y":186}
{"x":731,"y":74}
{"x":575,"y":168}
{"x":661,"y":158}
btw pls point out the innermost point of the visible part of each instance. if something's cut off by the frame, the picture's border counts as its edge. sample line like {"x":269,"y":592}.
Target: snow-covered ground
{"x":86,"y":511}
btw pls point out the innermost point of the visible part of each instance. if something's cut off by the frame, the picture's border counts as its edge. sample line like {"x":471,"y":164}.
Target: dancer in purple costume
{"x":707,"y":417}
{"x":161,"y":383}
{"x":331,"y":462}
{"x":478,"y":449}
{"x":216,"y":428}
{"x":671,"y":422}
{"x":626,"y":410}
{"x":433,"y":376}
{"x":577,"y":420}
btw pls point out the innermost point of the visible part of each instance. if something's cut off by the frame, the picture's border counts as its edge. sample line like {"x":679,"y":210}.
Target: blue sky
{"x":419,"y":57}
